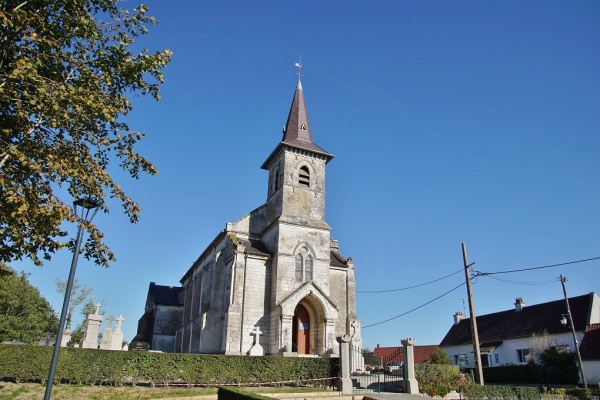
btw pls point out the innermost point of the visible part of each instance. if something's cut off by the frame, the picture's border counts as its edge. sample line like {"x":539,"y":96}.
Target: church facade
{"x":274,"y":281}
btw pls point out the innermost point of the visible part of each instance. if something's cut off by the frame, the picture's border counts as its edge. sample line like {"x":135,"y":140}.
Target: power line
{"x":479,"y":273}
{"x":408,"y":287}
{"x":524,"y":283}
{"x":414,"y":309}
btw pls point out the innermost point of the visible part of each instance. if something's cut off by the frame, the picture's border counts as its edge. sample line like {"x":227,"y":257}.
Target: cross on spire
{"x":299,"y":66}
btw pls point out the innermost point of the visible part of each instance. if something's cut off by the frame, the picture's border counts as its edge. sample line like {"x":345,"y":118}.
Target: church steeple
{"x":297,"y":133}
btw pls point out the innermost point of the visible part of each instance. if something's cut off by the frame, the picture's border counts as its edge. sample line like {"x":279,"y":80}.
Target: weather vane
{"x":299,"y":66}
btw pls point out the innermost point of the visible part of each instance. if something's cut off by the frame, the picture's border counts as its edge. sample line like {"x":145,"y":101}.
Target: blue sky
{"x":452,"y":122}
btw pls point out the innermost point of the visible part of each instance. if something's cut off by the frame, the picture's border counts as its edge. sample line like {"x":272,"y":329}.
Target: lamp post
{"x":86,"y":206}
{"x":564,"y":321}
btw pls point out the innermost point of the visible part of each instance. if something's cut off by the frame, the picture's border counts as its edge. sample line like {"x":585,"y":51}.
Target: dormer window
{"x":304,"y":176}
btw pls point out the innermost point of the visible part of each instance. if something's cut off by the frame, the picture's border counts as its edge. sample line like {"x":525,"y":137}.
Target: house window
{"x":523,"y":355}
{"x":304,"y":265}
{"x":304,"y":176}
{"x":461,"y":360}
{"x":496,"y":359}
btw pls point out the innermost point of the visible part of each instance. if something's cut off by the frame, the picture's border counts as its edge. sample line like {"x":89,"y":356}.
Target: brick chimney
{"x":519,"y":304}
{"x":458,"y":316}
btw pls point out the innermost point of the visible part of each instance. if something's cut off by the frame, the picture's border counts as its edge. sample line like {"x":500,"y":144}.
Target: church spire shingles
{"x":297,"y":131}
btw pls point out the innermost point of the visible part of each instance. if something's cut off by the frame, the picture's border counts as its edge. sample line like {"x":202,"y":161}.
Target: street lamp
{"x":86,"y":206}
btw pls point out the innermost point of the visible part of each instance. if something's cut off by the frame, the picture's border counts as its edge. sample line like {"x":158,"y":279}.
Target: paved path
{"x":394,"y":396}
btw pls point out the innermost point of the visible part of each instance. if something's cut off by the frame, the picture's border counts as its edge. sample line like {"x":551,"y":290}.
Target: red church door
{"x":301,"y":328}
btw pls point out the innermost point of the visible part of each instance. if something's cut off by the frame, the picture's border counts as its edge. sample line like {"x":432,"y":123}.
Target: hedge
{"x":92,"y":367}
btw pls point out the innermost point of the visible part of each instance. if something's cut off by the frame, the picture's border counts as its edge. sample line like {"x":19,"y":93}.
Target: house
{"x":507,"y":337}
{"x":162,"y":316}
{"x":590,"y":354}
{"x":392,"y":358}
{"x":274,"y":281}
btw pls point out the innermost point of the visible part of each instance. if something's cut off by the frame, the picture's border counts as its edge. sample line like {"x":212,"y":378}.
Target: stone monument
{"x":256,"y":349}
{"x":107,"y":334}
{"x":92,"y":329}
{"x":410,"y":382}
{"x":116,"y":342}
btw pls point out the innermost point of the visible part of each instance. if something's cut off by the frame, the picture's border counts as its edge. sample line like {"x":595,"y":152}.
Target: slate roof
{"x":254,"y":246}
{"x":297,"y":131}
{"x":512,"y":324}
{"x":396,"y":354}
{"x":337,"y":260}
{"x":164,"y":295}
{"x":590,"y":345}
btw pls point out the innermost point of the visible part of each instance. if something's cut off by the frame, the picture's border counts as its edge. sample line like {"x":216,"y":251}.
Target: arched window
{"x":304,"y":265}
{"x":304,"y":176}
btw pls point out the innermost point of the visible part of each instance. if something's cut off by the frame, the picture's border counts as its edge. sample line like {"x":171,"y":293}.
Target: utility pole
{"x":474,"y":334}
{"x":563,"y":280}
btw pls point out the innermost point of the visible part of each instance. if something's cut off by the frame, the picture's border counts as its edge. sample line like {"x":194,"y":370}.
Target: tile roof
{"x":511,"y":324}
{"x":396,"y":354}
{"x":590,"y":345}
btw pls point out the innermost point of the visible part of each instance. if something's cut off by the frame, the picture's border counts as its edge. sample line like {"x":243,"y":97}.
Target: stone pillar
{"x":410,"y":383}
{"x":345,"y":383}
{"x":92,"y":329}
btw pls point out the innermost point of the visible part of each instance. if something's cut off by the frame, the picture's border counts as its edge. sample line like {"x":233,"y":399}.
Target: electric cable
{"x":524,"y":283}
{"x":534,"y":268}
{"x":414,"y":309}
{"x":408,"y":287}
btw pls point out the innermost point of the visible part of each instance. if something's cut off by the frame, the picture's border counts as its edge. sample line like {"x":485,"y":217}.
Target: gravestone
{"x":107,"y":334}
{"x":92,"y":329}
{"x":116,"y":341}
{"x":139,"y":346}
{"x":66,"y":338}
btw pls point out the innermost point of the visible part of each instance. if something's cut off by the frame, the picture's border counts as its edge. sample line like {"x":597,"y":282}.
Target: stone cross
{"x":256,"y":349}
{"x":119,"y":320}
{"x":256,"y":332}
{"x":98,"y":309}
{"x":110,"y":319}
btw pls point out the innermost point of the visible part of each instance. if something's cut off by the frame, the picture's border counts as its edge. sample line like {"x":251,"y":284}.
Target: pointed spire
{"x":297,"y":126}
{"x":296,"y":132}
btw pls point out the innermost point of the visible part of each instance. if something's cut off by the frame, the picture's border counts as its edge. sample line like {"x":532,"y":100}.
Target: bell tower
{"x":297,"y":234}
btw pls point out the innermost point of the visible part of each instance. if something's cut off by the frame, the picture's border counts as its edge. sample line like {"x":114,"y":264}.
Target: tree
{"x":439,"y":356}
{"x":80,"y":293}
{"x":66,"y":69}
{"x":26,"y":316}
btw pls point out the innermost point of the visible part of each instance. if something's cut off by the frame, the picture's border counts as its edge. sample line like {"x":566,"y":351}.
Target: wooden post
{"x":474,"y":334}
{"x":563,"y":280}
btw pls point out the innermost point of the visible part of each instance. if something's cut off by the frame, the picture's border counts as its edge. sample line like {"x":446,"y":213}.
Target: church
{"x":271,"y":283}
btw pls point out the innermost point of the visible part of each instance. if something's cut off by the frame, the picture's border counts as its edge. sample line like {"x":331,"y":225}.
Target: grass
{"x":35,"y":391}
